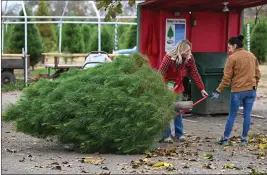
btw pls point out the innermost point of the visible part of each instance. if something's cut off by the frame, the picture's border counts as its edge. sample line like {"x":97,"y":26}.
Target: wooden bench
{"x":64,"y":67}
{"x":56,"y":61}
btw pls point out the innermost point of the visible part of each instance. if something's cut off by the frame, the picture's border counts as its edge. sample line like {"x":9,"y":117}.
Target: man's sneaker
{"x":243,"y":143}
{"x":223,"y":141}
{"x":167,"y":140}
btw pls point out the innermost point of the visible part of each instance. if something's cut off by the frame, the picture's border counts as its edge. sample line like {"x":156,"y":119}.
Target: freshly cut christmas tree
{"x":117,"y":107}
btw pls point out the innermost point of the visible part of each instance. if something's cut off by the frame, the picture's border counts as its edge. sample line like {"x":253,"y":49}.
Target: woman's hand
{"x":204,"y":93}
{"x":215,"y":95}
{"x":170,"y":88}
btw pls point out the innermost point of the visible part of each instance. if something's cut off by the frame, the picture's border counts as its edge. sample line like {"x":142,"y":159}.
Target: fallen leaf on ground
{"x":260,"y":157}
{"x":208,"y":166}
{"x":97,"y":161}
{"x":236,"y":138}
{"x":58,"y":167}
{"x":50,"y":159}
{"x":69,"y":165}
{"x":148,"y":162}
{"x":229,"y":166}
{"x":232,"y":154}
{"x":54,"y":163}
{"x":186,"y":166}
{"x":227,"y":148}
{"x":170,"y":168}
{"x":207,"y":156}
{"x":170,"y":150}
{"x":263,"y":146}
{"x":11,"y":150}
{"x":22,"y":160}
{"x":41,"y":166}
{"x":254,"y":171}
{"x":83,"y":171}
{"x":163,"y":151}
{"x":173,"y":158}
{"x":104,"y":168}
{"x":160,"y":164}
{"x":135,"y":164}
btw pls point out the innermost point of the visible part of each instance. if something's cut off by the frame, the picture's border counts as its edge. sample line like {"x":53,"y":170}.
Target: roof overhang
{"x":202,"y":5}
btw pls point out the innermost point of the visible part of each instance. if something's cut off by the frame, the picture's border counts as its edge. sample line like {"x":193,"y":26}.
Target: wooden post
{"x":56,"y":61}
{"x":43,"y":58}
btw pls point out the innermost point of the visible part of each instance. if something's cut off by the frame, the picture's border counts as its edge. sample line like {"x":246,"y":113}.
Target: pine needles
{"x":118,"y":107}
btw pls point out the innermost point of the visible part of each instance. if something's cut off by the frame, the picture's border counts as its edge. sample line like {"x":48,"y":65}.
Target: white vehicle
{"x":126,"y":51}
{"x":95,"y":58}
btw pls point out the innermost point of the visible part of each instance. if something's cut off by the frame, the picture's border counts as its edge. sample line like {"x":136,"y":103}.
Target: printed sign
{"x":175,"y":31}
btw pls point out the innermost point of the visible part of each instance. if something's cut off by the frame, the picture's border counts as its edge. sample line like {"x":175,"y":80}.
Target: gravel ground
{"x":25,"y":154}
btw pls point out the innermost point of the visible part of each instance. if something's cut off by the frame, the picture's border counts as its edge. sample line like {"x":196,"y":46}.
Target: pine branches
{"x":119,"y":107}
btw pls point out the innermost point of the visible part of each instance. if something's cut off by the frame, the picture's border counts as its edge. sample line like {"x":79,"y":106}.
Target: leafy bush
{"x":118,"y":107}
{"x":259,"y":40}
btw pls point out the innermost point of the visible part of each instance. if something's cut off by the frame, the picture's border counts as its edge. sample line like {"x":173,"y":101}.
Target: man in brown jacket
{"x":242,"y":73}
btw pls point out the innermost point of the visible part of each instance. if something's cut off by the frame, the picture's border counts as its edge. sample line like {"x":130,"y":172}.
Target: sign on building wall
{"x":175,"y":31}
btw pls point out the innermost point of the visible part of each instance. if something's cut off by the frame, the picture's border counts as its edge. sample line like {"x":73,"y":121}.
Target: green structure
{"x":210,"y":66}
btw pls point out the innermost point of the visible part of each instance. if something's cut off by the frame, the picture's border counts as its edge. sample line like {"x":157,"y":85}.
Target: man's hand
{"x":204,"y":93}
{"x":215,"y":94}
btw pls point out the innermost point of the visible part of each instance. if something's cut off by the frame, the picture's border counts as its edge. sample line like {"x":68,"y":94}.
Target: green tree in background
{"x":8,"y":31}
{"x":35,"y":46}
{"x":72,"y":38}
{"x":123,"y":36}
{"x":131,"y":39}
{"x":86,"y":29}
{"x":259,"y":40}
{"x":107,"y":39}
{"x":56,"y":29}
{"x":46,"y":30}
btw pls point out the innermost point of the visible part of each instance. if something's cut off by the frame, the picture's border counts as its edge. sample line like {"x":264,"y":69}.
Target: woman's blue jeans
{"x":247,"y":98}
{"x":178,"y":125}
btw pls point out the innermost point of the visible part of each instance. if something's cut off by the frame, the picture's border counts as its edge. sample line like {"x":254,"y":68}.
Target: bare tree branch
{"x":257,"y":13}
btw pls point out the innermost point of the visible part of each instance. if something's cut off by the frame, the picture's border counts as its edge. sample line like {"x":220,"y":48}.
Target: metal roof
{"x":202,"y":5}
